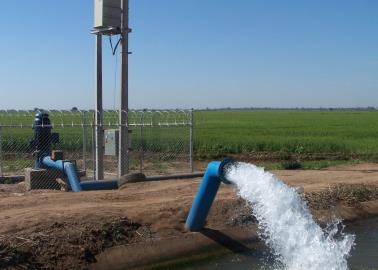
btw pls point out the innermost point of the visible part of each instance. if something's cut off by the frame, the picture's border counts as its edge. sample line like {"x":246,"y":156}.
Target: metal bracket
{"x":107,"y":31}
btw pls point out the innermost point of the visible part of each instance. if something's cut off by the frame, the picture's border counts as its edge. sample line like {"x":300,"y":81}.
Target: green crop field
{"x":219,"y":133}
{"x":343,"y":133}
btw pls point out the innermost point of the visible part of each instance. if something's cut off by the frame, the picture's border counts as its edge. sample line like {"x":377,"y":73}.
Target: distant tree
{"x":74,"y":109}
{"x":36,"y":109}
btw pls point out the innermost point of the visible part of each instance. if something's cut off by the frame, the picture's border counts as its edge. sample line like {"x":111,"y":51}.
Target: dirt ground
{"x":62,"y":230}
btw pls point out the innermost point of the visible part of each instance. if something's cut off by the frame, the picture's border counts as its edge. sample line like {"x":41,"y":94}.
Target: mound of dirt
{"x":66,"y":245}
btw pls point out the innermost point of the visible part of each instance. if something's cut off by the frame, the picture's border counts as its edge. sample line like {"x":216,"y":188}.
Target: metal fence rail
{"x":162,"y":140}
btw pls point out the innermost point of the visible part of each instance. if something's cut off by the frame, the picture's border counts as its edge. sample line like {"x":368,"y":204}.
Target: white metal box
{"x":112,"y":142}
{"x":107,"y":13}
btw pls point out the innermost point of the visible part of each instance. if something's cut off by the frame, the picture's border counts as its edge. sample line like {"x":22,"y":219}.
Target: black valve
{"x":43,"y":137}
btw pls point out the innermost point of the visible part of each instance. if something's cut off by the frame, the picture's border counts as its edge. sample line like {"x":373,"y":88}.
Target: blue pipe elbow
{"x":207,"y":191}
{"x":67,"y":168}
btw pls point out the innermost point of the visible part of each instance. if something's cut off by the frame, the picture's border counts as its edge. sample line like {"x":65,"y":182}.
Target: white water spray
{"x":286,"y":224}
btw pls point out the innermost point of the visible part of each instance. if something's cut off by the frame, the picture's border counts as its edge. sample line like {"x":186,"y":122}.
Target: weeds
{"x":352,"y":195}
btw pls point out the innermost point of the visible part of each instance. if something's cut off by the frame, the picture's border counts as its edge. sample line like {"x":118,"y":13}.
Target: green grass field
{"x":343,"y":133}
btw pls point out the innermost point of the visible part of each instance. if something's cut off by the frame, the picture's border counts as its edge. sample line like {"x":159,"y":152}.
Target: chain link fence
{"x":161,"y":140}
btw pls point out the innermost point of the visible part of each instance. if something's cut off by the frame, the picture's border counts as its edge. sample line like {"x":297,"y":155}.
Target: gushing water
{"x":286,"y":224}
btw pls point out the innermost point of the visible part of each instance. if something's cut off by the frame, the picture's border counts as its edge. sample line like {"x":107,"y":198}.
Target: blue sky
{"x":195,"y":54}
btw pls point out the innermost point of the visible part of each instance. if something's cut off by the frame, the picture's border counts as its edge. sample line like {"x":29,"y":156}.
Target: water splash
{"x":286,"y":224}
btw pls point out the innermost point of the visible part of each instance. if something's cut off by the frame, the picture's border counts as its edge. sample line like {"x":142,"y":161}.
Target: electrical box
{"x":107,"y":13}
{"x":112,"y":142}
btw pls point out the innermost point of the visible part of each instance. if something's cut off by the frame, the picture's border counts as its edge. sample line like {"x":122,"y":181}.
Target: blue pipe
{"x":207,"y":191}
{"x":67,"y":168}
{"x":73,"y":178}
{"x":99,"y":185}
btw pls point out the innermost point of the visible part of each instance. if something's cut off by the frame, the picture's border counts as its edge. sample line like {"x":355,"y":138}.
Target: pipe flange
{"x":223,"y":167}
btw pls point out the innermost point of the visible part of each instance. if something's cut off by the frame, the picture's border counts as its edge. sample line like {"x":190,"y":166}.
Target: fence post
{"x":141,"y":150}
{"x":84,"y":125}
{"x":191,"y":140}
{"x":94,"y":146}
{"x":1,"y":152}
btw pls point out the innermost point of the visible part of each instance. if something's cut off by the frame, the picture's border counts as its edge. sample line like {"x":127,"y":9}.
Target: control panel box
{"x":111,"y":142}
{"x":107,"y":13}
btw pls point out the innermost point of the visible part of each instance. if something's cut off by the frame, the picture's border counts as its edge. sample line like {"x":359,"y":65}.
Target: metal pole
{"x":1,"y":153}
{"x":84,"y":122}
{"x":123,"y":158}
{"x":99,"y":111}
{"x":191,"y":141}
